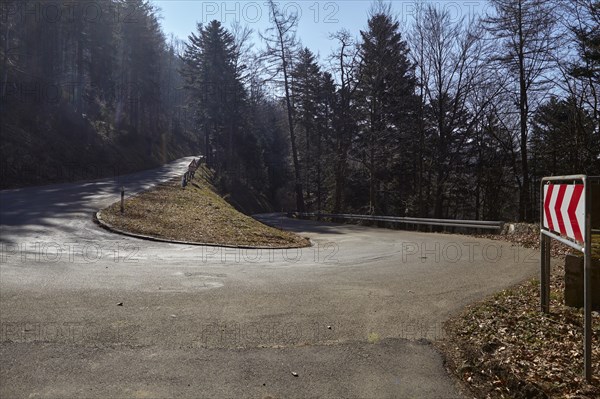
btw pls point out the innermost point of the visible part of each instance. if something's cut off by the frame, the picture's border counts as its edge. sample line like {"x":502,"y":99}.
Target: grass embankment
{"x":195,"y":214}
{"x":506,"y":347}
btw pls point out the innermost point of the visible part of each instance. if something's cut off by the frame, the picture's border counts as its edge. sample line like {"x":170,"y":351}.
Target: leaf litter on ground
{"x":505,"y":347}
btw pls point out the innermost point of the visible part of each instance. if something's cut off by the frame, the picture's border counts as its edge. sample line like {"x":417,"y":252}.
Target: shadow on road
{"x":34,"y":211}
{"x":281,"y":221}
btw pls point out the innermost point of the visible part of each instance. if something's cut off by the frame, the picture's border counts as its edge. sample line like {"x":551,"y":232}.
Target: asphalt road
{"x":85,"y":313}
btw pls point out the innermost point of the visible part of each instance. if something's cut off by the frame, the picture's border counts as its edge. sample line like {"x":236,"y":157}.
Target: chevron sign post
{"x":564,"y":210}
{"x":566,"y":217}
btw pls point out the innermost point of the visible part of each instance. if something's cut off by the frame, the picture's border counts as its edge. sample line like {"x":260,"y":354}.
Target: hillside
{"x":196,"y":213}
{"x":80,"y":149}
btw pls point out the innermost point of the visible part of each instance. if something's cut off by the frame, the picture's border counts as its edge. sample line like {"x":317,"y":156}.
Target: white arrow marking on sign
{"x":564,"y":210}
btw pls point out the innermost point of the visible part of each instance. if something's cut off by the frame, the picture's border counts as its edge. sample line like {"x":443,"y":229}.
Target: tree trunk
{"x":372,"y":179}
{"x":341,"y":158}
{"x":5,"y":59}
{"x":524,"y":211}
{"x":297,"y":176}
{"x":340,"y":178}
{"x":319,"y":171}
{"x":438,"y":212}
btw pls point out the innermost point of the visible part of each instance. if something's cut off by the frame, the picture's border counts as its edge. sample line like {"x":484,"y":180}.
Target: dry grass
{"x":505,"y":347}
{"x":195,"y":214}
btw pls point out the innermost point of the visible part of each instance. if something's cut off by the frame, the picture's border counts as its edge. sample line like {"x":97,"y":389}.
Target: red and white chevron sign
{"x":564,"y":210}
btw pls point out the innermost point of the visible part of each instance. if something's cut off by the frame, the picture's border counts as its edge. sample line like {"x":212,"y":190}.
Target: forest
{"x":444,"y":117}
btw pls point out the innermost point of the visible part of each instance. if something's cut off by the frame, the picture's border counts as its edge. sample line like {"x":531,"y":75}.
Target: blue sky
{"x":317,"y":18}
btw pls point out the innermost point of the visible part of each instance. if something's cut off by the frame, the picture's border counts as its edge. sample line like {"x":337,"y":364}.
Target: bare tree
{"x":345,"y":62}
{"x":449,"y":59}
{"x":524,"y":31}
{"x":579,"y":59}
{"x":242,"y":36}
{"x":281,"y":46}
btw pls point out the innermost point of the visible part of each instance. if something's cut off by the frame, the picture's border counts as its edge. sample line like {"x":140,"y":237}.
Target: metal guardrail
{"x":191,"y":171}
{"x":475,"y":224}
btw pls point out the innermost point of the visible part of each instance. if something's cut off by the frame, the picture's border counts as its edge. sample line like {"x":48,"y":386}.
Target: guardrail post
{"x":545,"y":244}
{"x":587,"y":285}
{"x":545,"y":273}
{"x":122,"y":199}
{"x":580,"y":239}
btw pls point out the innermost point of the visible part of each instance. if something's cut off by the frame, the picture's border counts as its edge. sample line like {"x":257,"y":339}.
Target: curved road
{"x":85,"y":313}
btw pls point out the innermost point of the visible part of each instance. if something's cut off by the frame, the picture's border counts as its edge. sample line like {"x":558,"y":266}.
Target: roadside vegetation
{"x":88,"y":98}
{"x":196,"y":213}
{"x":505,"y":347}
{"x":434,"y":116}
